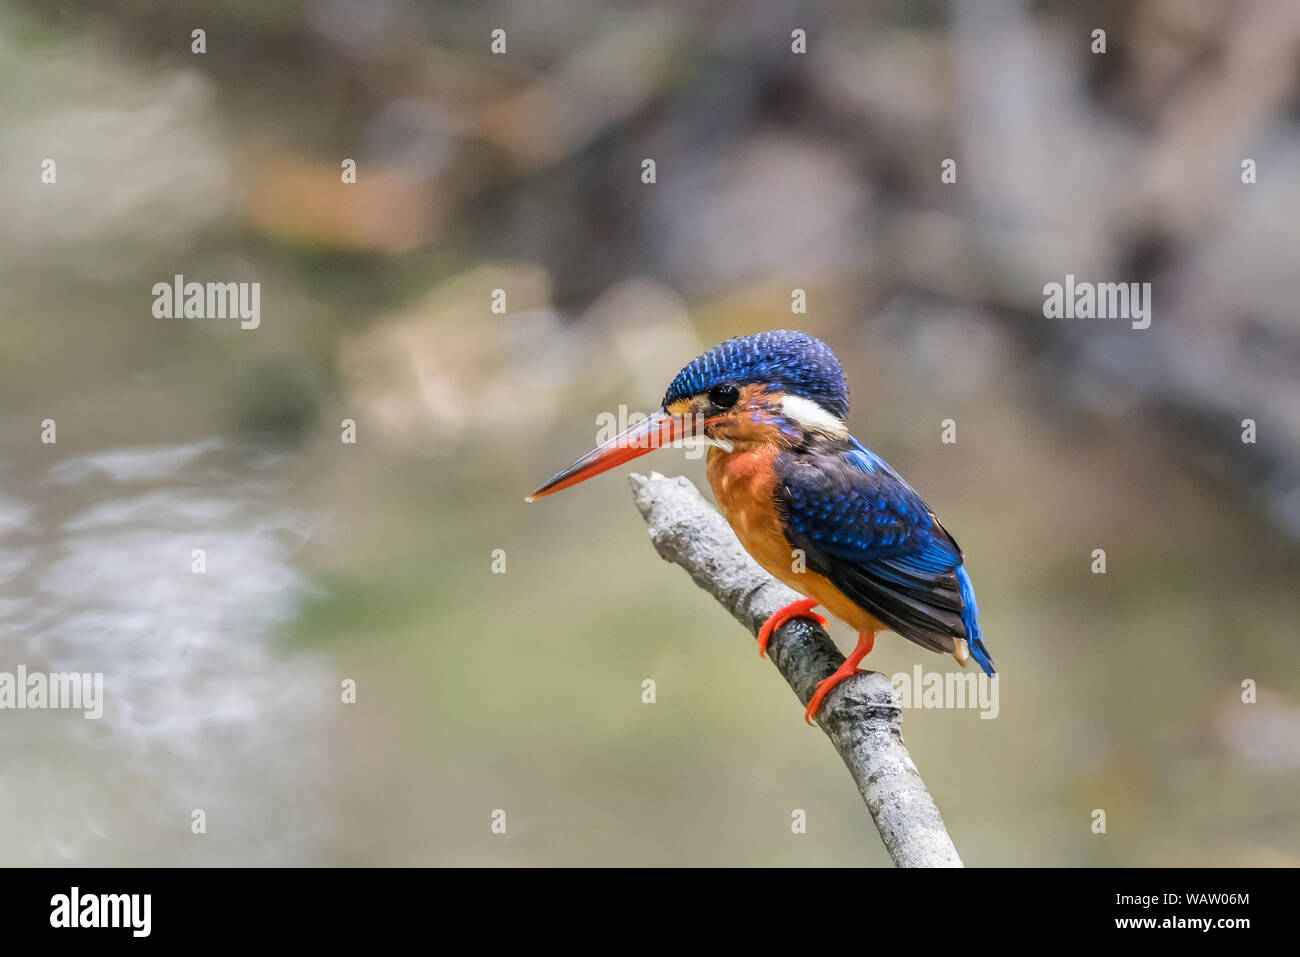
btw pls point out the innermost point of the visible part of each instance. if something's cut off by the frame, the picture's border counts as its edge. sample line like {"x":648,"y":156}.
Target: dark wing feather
{"x":865,"y":529}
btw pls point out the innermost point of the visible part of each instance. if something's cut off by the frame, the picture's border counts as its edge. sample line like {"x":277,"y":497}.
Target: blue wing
{"x":866,"y":530}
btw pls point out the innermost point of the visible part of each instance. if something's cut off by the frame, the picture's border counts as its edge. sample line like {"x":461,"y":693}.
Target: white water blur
{"x":201,"y":709}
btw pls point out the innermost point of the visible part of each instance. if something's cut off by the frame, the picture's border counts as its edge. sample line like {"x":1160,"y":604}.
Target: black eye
{"x":724,"y":396}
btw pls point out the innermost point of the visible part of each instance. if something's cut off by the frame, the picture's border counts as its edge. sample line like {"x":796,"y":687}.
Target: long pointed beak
{"x":654,"y":432}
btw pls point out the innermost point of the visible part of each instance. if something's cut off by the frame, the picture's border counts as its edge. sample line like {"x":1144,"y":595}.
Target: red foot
{"x":796,"y":609}
{"x":850,"y":667}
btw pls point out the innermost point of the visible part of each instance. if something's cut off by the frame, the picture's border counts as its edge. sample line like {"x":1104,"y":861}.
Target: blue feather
{"x":970,"y":616}
{"x":786,"y":361}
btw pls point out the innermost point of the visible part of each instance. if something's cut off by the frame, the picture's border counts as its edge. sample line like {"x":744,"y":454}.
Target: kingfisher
{"x":816,"y":508}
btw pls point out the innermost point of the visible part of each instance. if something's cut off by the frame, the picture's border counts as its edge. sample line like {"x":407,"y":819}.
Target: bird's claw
{"x":824,"y":687}
{"x":796,"y":609}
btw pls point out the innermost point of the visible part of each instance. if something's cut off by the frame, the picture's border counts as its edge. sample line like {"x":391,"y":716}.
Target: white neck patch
{"x":812,"y":416}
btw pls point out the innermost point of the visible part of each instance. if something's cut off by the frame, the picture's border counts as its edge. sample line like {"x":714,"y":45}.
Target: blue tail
{"x":970,"y":617}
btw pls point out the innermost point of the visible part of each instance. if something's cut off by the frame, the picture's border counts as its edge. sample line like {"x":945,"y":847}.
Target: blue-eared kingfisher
{"x":814,"y":506}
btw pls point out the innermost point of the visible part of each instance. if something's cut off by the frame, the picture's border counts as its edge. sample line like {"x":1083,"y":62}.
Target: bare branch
{"x":862,"y":716}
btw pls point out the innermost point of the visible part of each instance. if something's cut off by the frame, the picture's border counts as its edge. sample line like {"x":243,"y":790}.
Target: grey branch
{"x":862,"y":716}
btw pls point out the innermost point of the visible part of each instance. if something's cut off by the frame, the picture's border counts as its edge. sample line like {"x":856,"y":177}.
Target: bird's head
{"x":775,"y":388}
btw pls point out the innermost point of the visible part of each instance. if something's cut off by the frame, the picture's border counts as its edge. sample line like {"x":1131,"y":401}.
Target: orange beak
{"x":656,"y":431}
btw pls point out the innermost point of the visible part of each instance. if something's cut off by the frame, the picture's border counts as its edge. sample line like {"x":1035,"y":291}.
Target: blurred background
{"x":522,"y":172}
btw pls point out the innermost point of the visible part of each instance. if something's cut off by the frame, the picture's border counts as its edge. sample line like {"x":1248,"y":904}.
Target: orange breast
{"x":743,"y":483}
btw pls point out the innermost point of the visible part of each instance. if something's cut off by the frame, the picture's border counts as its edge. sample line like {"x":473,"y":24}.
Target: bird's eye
{"x":724,"y":396}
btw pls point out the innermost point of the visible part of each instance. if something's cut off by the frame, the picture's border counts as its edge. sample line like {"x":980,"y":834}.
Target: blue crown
{"x":788,"y":361}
